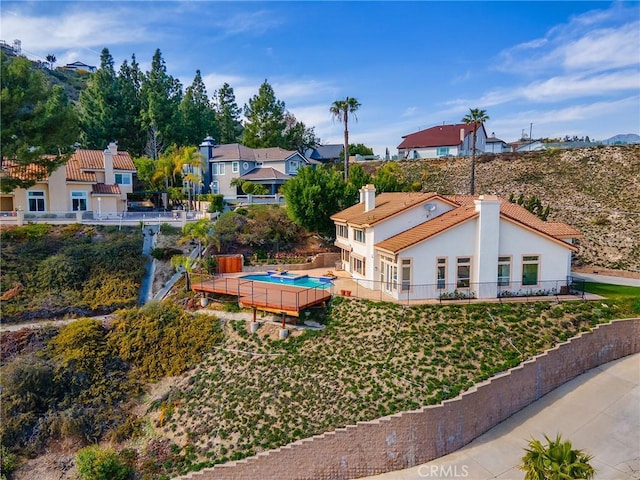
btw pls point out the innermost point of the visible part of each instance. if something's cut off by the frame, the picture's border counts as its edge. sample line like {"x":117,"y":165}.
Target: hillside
{"x":596,"y":190}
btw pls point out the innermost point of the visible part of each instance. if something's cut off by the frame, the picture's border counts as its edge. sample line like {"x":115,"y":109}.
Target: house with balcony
{"x":91,"y":181}
{"x":442,"y":141}
{"x":230,"y":164}
{"x":418,"y":246}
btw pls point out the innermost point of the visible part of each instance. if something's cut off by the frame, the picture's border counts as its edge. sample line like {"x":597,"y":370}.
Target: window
{"x":530,"y":270}
{"x":293,"y":166}
{"x":342,"y":231}
{"x":245,"y":165}
{"x":217,"y":168}
{"x":346,"y":256}
{"x":357,"y":265}
{"x":79,"y":201}
{"x":442,"y":151}
{"x":463,"y":272}
{"x":235,"y":167}
{"x":259,"y":164}
{"x":36,"y":201}
{"x":358,"y":235}
{"x":406,"y":274}
{"x":123,"y":178}
{"x":215,"y":187}
{"x":504,"y":271}
{"x":441,"y":272}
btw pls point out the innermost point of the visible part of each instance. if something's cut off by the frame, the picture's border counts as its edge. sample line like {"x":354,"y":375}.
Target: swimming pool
{"x":297,"y":280}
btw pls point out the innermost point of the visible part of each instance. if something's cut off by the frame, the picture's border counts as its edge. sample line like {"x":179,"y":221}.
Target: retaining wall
{"x":411,"y":438}
{"x":321,"y":260}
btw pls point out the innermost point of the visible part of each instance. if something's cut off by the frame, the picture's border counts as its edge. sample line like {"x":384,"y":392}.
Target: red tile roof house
{"x":418,"y":246}
{"x":91,"y":180}
{"x":442,"y":141}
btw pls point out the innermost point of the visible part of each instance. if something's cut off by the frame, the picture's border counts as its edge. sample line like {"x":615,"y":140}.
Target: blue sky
{"x":568,"y":68}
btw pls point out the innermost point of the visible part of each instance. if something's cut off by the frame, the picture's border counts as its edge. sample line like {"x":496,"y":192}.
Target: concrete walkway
{"x":596,"y":278}
{"x":599,"y":412}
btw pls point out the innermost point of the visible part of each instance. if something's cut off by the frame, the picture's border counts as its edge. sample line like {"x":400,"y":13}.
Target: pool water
{"x":303,"y":281}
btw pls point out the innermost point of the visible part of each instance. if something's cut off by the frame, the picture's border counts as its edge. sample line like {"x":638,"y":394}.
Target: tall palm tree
{"x":475,"y":117}
{"x":340,"y":109}
{"x":556,"y":460}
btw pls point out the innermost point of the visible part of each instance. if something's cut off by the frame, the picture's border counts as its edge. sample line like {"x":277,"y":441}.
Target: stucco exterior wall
{"x":412,"y":438}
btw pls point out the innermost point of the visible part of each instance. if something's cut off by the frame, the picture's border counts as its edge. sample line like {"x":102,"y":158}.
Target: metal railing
{"x":463,"y":291}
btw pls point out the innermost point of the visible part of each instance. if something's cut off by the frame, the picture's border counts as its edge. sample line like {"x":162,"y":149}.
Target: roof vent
{"x":431,"y":207}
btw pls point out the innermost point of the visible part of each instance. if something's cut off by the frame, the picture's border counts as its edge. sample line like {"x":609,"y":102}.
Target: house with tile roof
{"x":442,"y":141}
{"x":270,"y":167}
{"x":417,"y":246}
{"x":91,"y":180}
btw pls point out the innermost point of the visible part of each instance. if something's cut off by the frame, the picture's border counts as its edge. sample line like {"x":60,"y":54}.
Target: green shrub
{"x":162,"y":339}
{"x":7,"y":462}
{"x":94,"y":463}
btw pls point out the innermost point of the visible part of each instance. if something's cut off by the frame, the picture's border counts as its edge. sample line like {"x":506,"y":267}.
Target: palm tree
{"x":555,"y":461}
{"x":51,"y":59}
{"x":340,"y":109}
{"x":475,"y":117}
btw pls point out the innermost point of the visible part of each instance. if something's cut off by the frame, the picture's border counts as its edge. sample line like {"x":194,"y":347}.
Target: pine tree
{"x":228,"y":116}
{"x":160,"y":96}
{"x":37,"y":120}
{"x":130,"y":135}
{"x":197,"y":116}
{"x":99,"y":105}
{"x":265,"y":120}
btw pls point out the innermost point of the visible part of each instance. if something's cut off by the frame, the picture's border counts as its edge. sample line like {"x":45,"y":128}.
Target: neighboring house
{"x":270,"y":167}
{"x":91,"y":180}
{"x":75,"y":66}
{"x":416,"y":246}
{"x":495,"y":145}
{"x":442,"y":141}
{"x":325,"y":153}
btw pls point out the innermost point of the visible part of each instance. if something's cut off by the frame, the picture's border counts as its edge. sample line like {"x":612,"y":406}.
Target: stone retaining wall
{"x":321,"y":260}
{"x":411,"y":438}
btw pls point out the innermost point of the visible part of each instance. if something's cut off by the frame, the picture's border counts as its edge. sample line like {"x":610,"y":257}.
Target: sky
{"x":549,"y":68}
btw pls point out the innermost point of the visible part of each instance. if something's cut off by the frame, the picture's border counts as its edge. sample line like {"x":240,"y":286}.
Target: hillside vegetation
{"x":596,"y":190}
{"x":48,"y":271}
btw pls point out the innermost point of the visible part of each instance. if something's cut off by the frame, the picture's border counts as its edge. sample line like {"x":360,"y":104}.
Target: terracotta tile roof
{"x":94,"y":160}
{"x":123,"y":161}
{"x":387,"y":204}
{"x":75,"y":172}
{"x":521,"y":215}
{"x":438,"y":136}
{"x":265,"y":173}
{"x":427,"y":229}
{"x":556,"y":231}
{"x":104,"y":189}
{"x":25,"y":172}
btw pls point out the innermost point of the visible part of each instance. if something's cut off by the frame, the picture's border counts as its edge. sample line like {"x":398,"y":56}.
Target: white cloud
{"x":598,"y":40}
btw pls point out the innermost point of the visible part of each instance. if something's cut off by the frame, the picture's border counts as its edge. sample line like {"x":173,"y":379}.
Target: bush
{"x":94,"y":463}
{"x":7,"y":463}
{"x":162,"y":339}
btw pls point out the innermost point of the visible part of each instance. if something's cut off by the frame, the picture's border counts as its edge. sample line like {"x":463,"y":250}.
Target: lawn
{"x":628,"y":297}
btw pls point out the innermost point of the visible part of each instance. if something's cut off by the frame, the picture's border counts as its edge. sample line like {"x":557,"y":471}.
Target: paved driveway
{"x":598,"y":411}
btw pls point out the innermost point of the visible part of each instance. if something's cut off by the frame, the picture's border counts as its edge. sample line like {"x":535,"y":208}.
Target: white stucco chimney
{"x":369,"y":194}
{"x":462,"y":134}
{"x":108,"y":154}
{"x":485,"y":270}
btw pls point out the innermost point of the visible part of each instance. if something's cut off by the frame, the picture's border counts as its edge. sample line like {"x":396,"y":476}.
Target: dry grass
{"x":596,"y":190}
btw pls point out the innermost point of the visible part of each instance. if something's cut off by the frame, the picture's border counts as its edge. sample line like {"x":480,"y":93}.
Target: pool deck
{"x":280,"y":298}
